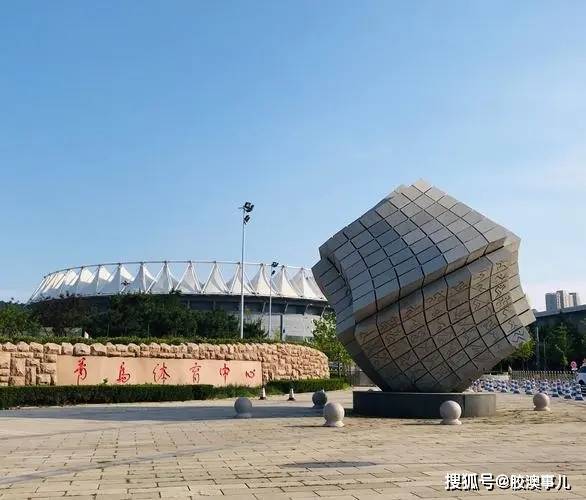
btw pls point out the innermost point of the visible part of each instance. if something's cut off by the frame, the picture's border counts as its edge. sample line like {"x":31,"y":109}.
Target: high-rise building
{"x":562,"y":299}
{"x":551,"y":302}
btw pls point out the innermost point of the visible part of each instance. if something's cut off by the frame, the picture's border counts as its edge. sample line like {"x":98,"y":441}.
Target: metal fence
{"x":543,"y":375}
{"x":354,"y":375}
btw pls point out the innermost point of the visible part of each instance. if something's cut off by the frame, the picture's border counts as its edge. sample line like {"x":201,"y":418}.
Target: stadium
{"x":295,"y":298}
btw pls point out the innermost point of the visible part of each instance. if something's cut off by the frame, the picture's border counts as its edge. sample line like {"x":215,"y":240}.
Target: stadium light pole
{"x":273,"y":270}
{"x":246,"y":209}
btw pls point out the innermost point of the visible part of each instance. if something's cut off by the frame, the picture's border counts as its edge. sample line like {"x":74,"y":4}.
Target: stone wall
{"x":36,"y":364}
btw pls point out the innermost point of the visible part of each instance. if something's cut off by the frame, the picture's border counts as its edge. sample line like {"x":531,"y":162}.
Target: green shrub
{"x":57,"y":339}
{"x":64,"y":395}
{"x":13,"y":396}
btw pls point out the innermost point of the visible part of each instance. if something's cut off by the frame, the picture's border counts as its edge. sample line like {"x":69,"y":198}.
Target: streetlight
{"x":273,"y":271}
{"x":246,"y":209}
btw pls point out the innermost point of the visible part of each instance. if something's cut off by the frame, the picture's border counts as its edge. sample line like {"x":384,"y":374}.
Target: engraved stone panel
{"x":93,"y":370}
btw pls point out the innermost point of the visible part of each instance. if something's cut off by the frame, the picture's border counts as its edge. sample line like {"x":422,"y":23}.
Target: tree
{"x":578,"y":351}
{"x":216,"y":324}
{"x":141,"y":315}
{"x":17,"y":320}
{"x":67,"y":312}
{"x":254,"y":330}
{"x":558,"y":346}
{"x":325,"y":339}
{"x":524,"y":352}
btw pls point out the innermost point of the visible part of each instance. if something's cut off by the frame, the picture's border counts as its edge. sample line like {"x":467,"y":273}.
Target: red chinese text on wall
{"x":123,"y":375}
{"x":195,"y":372}
{"x":224,"y":372}
{"x":80,"y":370}
{"x":161,"y":373}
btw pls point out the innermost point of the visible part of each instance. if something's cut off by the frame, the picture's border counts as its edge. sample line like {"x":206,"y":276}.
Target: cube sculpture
{"x":426,"y":291}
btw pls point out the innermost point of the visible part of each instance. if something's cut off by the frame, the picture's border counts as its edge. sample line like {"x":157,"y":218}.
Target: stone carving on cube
{"x":426,"y":291}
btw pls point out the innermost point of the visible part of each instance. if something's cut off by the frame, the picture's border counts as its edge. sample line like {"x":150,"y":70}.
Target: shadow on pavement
{"x":122,"y":413}
{"x":336,"y":464}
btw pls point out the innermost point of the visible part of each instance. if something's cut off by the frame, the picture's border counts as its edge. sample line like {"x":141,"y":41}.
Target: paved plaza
{"x":196,"y":449}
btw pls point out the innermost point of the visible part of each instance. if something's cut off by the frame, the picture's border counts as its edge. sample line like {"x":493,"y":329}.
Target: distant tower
{"x":551,"y":302}
{"x":574,"y":299}
{"x":563,"y":299}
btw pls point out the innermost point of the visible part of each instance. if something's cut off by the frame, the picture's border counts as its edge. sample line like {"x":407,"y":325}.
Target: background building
{"x":561,"y":299}
{"x":204,"y":285}
{"x":574,"y":299}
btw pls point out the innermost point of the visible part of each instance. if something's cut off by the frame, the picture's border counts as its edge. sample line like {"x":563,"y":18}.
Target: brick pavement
{"x":196,"y":449}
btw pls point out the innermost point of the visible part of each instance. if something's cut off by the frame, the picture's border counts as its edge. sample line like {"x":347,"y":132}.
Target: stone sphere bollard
{"x":541,"y":402}
{"x":319,"y":399}
{"x":243,"y":408}
{"x":334,"y":414}
{"x":450,"y":412}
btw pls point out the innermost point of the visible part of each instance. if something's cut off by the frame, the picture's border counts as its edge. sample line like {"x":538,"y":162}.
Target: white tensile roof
{"x":187,"y":277}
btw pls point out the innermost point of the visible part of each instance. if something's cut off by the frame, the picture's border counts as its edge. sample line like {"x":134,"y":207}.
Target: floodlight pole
{"x":270,"y":303}
{"x":273,"y":265}
{"x":242,"y":277}
{"x":246,"y":209}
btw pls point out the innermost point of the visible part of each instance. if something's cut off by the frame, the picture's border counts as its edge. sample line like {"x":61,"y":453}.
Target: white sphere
{"x":243,"y":407}
{"x":541,"y":402}
{"x":334,"y":414}
{"x":450,"y":412}
{"x":319,"y":399}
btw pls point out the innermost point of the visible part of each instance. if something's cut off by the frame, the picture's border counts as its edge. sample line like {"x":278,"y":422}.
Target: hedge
{"x":57,"y":339}
{"x":14,"y":396}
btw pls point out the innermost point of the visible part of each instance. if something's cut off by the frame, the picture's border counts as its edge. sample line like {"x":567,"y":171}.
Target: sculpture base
{"x":421,"y":404}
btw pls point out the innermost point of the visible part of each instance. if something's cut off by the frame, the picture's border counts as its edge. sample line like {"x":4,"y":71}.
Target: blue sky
{"x":133,"y":130}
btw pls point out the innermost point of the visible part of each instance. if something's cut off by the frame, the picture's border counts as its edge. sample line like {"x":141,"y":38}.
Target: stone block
{"x":8,"y":347}
{"x":31,"y":375}
{"x":98,"y":349}
{"x":33,"y":362}
{"x":135,"y":349}
{"x":22,"y":347}
{"x":14,"y":380}
{"x":121,"y":348}
{"x":66,"y":348}
{"x":80,"y":349}
{"x":48,"y":368}
{"x":51,"y":348}
{"x":18,"y":367}
{"x":36,"y":347}
{"x":23,"y":355}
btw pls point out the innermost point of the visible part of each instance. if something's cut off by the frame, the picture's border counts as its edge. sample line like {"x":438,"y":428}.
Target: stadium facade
{"x":204,"y":285}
